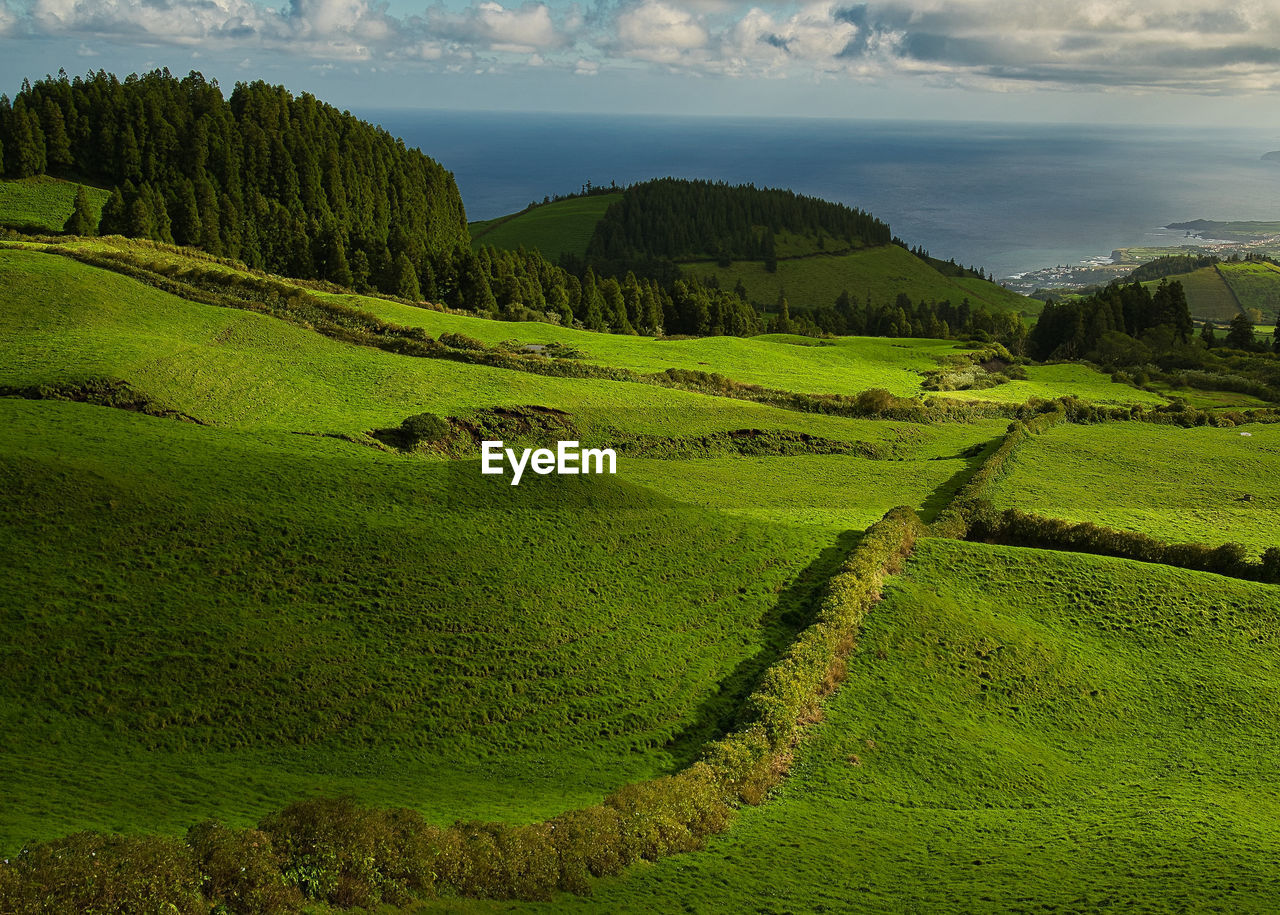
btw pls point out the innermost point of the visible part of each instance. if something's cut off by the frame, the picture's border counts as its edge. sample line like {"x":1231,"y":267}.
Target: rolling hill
{"x":253,"y":564}
{"x":1020,"y":729}
{"x":561,"y":227}
{"x":42,"y":204}
{"x":1218,"y":293}
{"x":813,"y":267}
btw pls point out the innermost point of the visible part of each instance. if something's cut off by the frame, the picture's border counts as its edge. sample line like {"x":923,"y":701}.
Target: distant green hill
{"x":1221,"y":291}
{"x":818,"y":251}
{"x":881,"y":272}
{"x":562,"y":227}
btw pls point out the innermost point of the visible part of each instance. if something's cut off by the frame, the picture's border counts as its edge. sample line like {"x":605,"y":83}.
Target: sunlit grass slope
{"x":62,"y":321}
{"x":198,"y":622}
{"x":213,"y":621}
{"x":1255,"y":284}
{"x":1019,"y":730}
{"x":845,"y":365}
{"x":882,"y":272}
{"x":42,"y":203}
{"x":1183,"y":485}
{"x":562,"y":227}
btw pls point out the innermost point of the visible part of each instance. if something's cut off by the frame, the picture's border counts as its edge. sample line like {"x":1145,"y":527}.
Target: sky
{"x":1197,"y":62}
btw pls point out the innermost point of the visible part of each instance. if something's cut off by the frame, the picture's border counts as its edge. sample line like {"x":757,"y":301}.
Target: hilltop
{"x":764,"y":244}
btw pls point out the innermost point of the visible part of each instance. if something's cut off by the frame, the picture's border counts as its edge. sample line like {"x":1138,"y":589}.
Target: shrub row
{"x":1018,"y":528}
{"x":1176,"y":414}
{"x":954,"y":520}
{"x":340,"y":853}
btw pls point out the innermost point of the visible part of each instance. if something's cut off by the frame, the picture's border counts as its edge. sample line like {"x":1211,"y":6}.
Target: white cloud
{"x":1158,"y":45}
{"x":522,"y":30}
{"x":660,"y":32}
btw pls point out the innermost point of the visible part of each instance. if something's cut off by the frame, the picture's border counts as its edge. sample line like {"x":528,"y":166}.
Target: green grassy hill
{"x":227,"y":621}
{"x":1020,"y":730}
{"x":218,"y":616}
{"x":882,"y":272}
{"x":258,"y":552}
{"x":562,"y":227}
{"x":1209,"y":297}
{"x":810,"y":271}
{"x":1255,"y":285}
{"x":1222,"y":486}
{"x":43,"y":203}
{"x":1221,"y":292}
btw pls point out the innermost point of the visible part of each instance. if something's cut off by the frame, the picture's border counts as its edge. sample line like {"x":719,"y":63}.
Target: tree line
{"x":676,"y":219}
{"x":281,"y":182}
{"x":903,"y":318}
{"x":1116,"y":317}
{"x":293,"y":186}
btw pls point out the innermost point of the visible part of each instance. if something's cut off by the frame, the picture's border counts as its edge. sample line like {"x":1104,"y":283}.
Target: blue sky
{"x":1213,"y":62}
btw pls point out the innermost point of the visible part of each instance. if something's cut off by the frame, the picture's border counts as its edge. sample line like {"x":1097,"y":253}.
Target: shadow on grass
{"x":793,"y":611}
{"x":941,"y":497}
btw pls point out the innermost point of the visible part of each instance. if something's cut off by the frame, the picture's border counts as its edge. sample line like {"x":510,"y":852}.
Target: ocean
{"x":1005,"y":197}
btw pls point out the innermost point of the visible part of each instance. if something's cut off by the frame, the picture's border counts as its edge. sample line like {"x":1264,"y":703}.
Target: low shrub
{"x":91,"y":872}
{"x":336,"y":851}
{"x":241,"y":871}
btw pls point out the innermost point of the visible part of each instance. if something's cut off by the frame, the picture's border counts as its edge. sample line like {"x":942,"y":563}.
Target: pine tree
{"x":406,"y":279}
{"x":1240,"y":334}
{"x":81,"y":220}
{"x":1208,"y":335}
{"x":186,"y":216}
{"x":57,"y":143}
{"x":115,"y":215}
{"x":140,"y":222}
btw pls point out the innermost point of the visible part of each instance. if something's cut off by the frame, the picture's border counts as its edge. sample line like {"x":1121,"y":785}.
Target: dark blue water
{"x":1006,"y":197}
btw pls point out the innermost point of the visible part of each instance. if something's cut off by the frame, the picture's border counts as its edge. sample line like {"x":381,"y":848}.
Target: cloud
{"x":492,"y":26}
{"x":660,"y":32}
{"x":1206,"y":46}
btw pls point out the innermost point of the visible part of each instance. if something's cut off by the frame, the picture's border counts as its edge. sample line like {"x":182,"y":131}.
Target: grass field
{"x":442,"y":638}
{"x":213,"y":621}
{"x":846,"y":365}
{"x":563,"y":227}
{"x":881,"y":272}
{"x":1208,"y":295}
{"x":1020,"y":730}
{"x":236,"y":368}
{"x":1256,"y":285}
{"x":43,"y":202}
{"x":1183,"y":485}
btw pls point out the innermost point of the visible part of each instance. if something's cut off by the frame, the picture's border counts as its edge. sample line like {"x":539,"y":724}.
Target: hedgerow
{"x":340,"y":853}
{"x":1018,"y":528}
{"x":956,"y":519}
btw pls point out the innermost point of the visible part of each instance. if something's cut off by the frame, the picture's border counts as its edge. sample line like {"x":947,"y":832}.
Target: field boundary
{"x":1013,"y":527}
{"x":1230,"y":289}
{"x":338,"y":852}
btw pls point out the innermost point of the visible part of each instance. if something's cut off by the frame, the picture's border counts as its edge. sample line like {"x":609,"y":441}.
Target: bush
{"x":424,"y":427}
{"x":1018,"y":528}
{"x":462,"y":341}
{"x":241,"y":870}
{"x":91,"y":872}
{"x":346,"y":855}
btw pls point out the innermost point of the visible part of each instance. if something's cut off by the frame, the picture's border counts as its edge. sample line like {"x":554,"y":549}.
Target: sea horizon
{"x":1009,"y":197}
